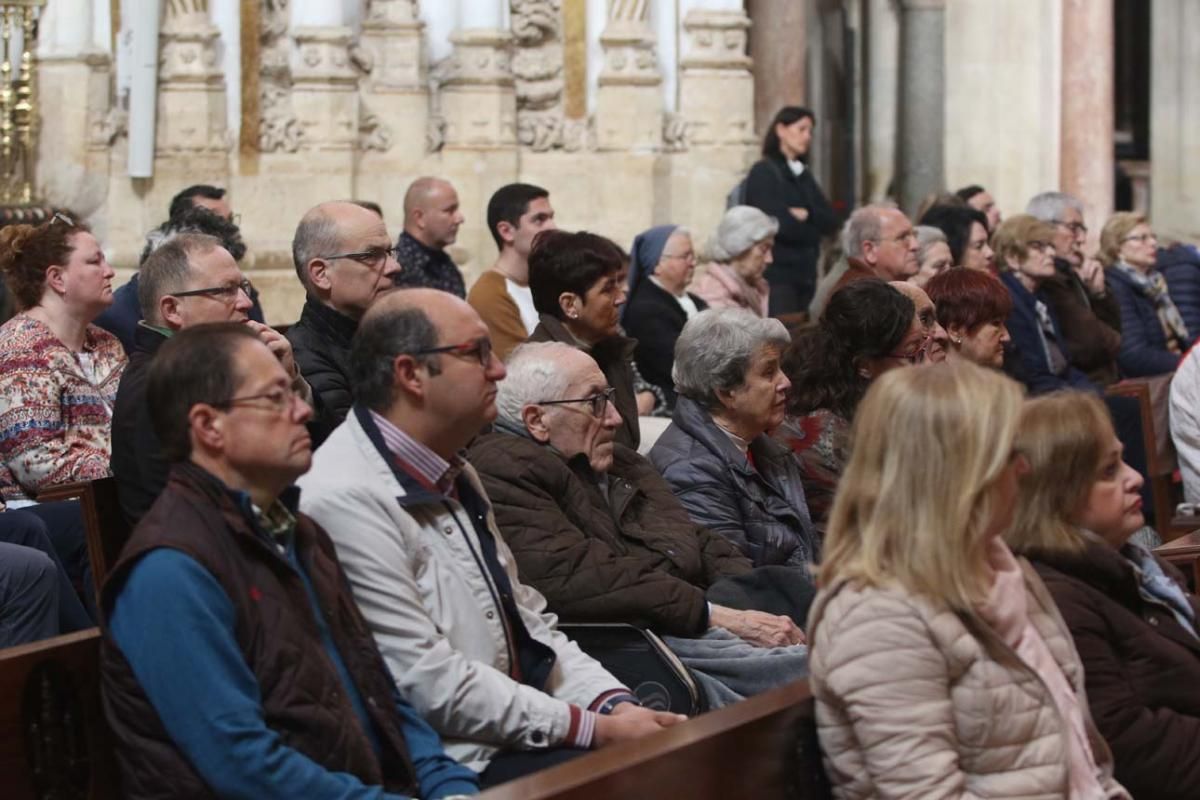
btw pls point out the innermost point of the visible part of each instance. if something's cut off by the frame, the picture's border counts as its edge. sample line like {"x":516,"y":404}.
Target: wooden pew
{"x":55,"y":743}
{"x":1183,"y":552}
{"x":1161,"y":461}
{"x":764,"y":747}
{"x":103,"y":522}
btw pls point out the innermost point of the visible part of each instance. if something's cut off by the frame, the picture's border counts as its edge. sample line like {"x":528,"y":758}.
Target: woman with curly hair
{"x":58,"y":371}
{"x":867,"y":329}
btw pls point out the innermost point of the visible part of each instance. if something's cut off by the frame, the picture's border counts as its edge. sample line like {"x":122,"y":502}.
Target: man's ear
{"x":168,"y":312}
{"x":506,"y":231}
{"x":870,"y":252}
{"x":409,"y":375}
{"x":534,"y":418}
{"x":318,"y":274}
{"x":207,"y":427}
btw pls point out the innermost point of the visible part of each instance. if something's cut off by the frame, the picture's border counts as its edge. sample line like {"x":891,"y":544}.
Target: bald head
{"x":431,"y":212}
{"x":342,"y":254}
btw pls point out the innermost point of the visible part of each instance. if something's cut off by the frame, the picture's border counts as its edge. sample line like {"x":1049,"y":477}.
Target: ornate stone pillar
{"x":478,"y":95}
{"x":629,"y":112}
{"x":73,"y":85}
{"x":921,"y":112}
{"x":191,"y":116}
{"x":716,"y":88}
{"x":324,"y":84}
{"x":1086,"y":161}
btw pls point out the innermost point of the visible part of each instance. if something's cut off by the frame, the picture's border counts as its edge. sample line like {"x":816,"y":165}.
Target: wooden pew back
{"x":55,"y":742}
{"x":764,"y":747}
{"x":103,"y":522}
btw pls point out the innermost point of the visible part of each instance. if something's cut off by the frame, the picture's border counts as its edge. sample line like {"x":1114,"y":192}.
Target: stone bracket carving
{"x":278,"y":128}
{"x":373,"y":133}
{"x":537,"y":67}
{"x":481,"y":57}
{"x":717,"y":40}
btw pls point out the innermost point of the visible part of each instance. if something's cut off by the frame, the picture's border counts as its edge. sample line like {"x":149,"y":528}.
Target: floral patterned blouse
{"x":820,"y":441}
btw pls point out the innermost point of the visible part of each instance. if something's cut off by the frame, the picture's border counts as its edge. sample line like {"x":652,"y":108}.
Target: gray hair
{"x":927,"y":236}
{"x":316,"y":236}
{"x":740,"y":228}
{"x":535,"y":373}
{"x":382,"y":336}
{"x":864,"y":225}
{"x":715,"y":348}
{"x":1050,"y":206}
{"x":168,"y":268}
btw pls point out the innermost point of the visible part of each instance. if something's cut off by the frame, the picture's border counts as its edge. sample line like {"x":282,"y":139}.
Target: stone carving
{"x":628,"y":45}
{"x":373,"y":132}
{"x":538,"y":72}
{"x":106,"y":129}
{"x":278,"y":128}
{"x":675,"y":133}
{"x":435,"y":133}
{"x":717,"y":40}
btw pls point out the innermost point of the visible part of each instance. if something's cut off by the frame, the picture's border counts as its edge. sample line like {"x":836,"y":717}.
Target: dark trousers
{"x":29,"y":530}
{"x":510,"y":765}
{"x":64,"y":527}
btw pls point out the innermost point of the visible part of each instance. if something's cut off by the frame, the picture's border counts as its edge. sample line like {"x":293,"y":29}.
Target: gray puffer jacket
{"x":760,"y":508}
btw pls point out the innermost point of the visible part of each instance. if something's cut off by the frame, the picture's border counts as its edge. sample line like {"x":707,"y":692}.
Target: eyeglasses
{"x":1140,"y":238}
{"x":373,"y":257}
{"x":599,"y":402}
{"x":278,"y":400}
{"x":481,"y":348}
{"x":1040,"y":245}
{"x":681,"y":256}
{"x":908,"y":236}
{"x":227,"y":292}
{"x":1077,"y":228}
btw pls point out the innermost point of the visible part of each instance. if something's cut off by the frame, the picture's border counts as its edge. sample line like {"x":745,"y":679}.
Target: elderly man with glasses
{"x":345,"y":259}
{"x":189,"y":280}
{"x":597,"y":530}
{"x":1077,"y":295}
{"x":470,"y":645}
{"x":236,"y":663}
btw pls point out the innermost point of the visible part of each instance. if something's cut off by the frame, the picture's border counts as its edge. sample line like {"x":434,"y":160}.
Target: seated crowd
{"x":352,"y":545}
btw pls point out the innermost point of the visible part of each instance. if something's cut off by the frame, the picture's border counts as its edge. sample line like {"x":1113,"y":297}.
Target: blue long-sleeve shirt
{"x":175,"y":626}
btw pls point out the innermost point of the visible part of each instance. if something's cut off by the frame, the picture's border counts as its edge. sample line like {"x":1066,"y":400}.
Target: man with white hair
{"x":601,"y":535}
{"x":1088,"y":315}
{"x":878,"y":241}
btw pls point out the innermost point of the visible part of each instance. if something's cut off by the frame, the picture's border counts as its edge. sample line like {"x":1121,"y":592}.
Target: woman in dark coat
{"x":729,"y":474}
{"x":781,"y":185}
{"x":575,"y":282}
{"x":1134,"y":624}
{"x":662,"y":261}
{"x":1154,"y":335}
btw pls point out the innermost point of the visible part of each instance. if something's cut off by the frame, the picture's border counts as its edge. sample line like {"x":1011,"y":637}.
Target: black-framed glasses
{"x":599,"y":402}
{"x":373,"y":257}
{"x":481,"y":348}
{"x":227,"y":292}
{"x":278,"y":399}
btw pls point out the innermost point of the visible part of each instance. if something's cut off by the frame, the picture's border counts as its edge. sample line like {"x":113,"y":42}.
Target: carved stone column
{"x":629,"y":112}
{"x":191,"y":88}
{"x":73,"y":84}
{"x":716,"y":87}
{"x":478,"y":95}
{"x":324,"y":88}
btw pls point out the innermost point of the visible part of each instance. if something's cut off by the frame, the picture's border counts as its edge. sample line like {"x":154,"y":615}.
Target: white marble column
{"x":629,"y":109}
{"x":324,"y":84}
{"x":716,"y":87}
{"x":1175,"y":119}
{"x":882,"y":56}
{"x":478,"y":95}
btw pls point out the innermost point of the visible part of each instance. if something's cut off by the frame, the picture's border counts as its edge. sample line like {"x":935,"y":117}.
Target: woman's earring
{"x":956,"y":340}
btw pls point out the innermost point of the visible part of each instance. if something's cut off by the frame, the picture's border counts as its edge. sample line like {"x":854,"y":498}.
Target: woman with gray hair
{"x":933,"y":254}
{"x":740,"y":250}
{"x":728,"y":473}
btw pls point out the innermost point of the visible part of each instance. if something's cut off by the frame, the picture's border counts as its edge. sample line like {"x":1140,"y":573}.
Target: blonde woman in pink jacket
{"x":740,"y":250}
{"x":940,"y":664}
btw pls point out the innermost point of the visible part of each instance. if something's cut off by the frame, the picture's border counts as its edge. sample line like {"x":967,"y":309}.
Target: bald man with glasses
{"x":345,"y":259}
